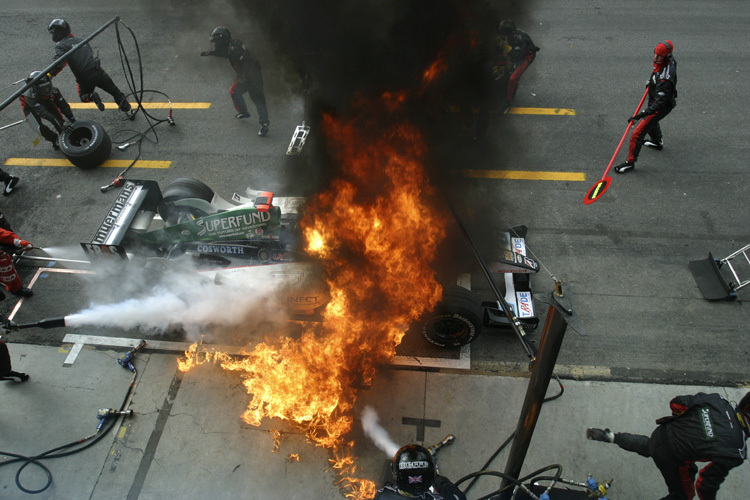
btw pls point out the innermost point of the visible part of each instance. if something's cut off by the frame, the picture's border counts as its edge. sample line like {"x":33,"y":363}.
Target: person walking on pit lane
{"x":662,"y":98}
{"x":86,"y":68}
{"x":44,"y":101}
{"x":249,"y":77}
{"x":702,"y":428}
{"x":521,"y":53}
{"x":8,"y":274}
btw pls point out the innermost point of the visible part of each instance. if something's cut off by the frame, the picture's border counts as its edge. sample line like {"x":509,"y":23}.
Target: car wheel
{"x":180,"y":189}
{"x":456,"y":321}
{"x":86,"y":144}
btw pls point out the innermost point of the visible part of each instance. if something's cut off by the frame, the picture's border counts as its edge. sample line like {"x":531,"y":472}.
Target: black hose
{"x":90,"y":441}
{"x":507,"y":441}
{"x":137,"y":92}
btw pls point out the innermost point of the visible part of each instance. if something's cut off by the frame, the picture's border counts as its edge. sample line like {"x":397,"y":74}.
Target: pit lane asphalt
{"x":627,"y":254}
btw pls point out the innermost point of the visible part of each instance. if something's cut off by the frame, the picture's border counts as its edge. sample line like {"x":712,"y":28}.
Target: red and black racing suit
{"x":703,"y":428}
{"x":662,"y":98}
{"x":88,"y":72}
{"x":522,"y":54}
{"x":50,"y":107}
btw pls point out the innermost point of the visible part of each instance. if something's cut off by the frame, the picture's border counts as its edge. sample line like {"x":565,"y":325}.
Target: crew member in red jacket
{"x":8,"y":275}
{"x":702,"y":428}
{"x":662,"y":98}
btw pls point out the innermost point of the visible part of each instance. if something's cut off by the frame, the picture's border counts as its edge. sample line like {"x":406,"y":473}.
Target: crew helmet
{"x":43,"y":85}
{"x":413,"y":469}
{"x":220,"y":34}
{"x":59,"y":29}
{"x":506,"y":28}
{"x":662,"y":53}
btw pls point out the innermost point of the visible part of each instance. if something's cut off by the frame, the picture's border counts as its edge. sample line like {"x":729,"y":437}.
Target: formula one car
{"x":254,"y":238}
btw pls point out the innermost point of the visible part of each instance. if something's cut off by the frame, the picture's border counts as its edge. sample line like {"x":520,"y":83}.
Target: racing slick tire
{"x":457,"y":319}
{"x":180,"y":189}
{"x":86,"y":144}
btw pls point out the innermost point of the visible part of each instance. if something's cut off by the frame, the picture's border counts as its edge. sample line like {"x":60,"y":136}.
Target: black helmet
{"x":220,"y":35}
{"x":59,"y":29}
{"x":43,"y":85}
{"x":506,"y":28}
{"x":413,"y":469}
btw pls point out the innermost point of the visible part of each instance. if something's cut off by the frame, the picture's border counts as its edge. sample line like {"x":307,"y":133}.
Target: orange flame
{"x":376,"y":236}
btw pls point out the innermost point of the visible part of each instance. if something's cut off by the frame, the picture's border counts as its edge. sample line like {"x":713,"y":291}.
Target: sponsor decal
{"x":417,"y":464}
{"x":415,"y":479}
{"x":519,"y":246}
{"x":225,"y":249}
{"x":232,"y":224}
{"x":525,"y":306}
{"x":708,"y":427}
{"x":301,"y":299}
{"x":119,"y":206}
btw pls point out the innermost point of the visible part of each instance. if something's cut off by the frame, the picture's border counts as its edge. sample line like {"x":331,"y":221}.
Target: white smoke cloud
{"x":188,"y":300}
{"x":377,"y":433}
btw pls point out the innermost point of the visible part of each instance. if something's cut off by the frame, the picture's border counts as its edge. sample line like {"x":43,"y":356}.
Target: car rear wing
{"x":134,"y":208}
{"x":512,"y":256}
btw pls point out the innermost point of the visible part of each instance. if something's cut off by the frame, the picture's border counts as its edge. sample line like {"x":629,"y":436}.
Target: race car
{"x":254,"y":238}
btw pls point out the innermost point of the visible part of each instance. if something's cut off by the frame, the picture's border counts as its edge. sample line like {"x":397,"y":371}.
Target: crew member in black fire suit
{"x":86,"y":68}
{"x":702,"y":428}
{"x":413,"y":473}
{"x":44,"y":101}
{"x":249,"y":77}
{"x":662,"y":98}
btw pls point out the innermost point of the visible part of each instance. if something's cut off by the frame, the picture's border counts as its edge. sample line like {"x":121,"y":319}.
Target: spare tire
{"x":457,"y":319}
{"x":86,"y":144}
{"x":180,"y":189}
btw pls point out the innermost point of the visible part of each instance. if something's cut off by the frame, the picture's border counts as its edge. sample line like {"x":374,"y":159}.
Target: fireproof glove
{"x":22,"y":244}
{"x":637,"y":116}
{"x":68,"y":128}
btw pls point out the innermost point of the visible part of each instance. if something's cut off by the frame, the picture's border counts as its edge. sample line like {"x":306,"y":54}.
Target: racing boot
{"x":239,"y":116}
{"x":97,"y":100}
{"x":658,"y":145}
{"x":624,"y":167}
{"x":22,"y":377}
{"x":10,"y":185}
{"x":23,"y":292}
{"x":603,"y":435}
{"x":263,"y":129}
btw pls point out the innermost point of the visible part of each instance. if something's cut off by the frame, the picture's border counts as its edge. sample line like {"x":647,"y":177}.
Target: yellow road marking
{"x":146,"y":105}
{"x":542,"y":111}
{"x":525,"y":175}
{"x":60,"y":162}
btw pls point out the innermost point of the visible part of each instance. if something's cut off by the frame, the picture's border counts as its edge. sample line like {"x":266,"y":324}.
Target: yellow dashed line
{"x":542,"y":111}
{"x":60,"y":162}
{"x":525,"y":175}
{"x":146,"y":105}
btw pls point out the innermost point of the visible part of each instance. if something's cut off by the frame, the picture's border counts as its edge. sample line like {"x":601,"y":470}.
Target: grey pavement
{"x":186,"y":438}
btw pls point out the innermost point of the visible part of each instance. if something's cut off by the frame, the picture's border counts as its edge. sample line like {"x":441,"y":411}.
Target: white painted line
{"x":462,"y":363}
{"x":73,"y":354}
